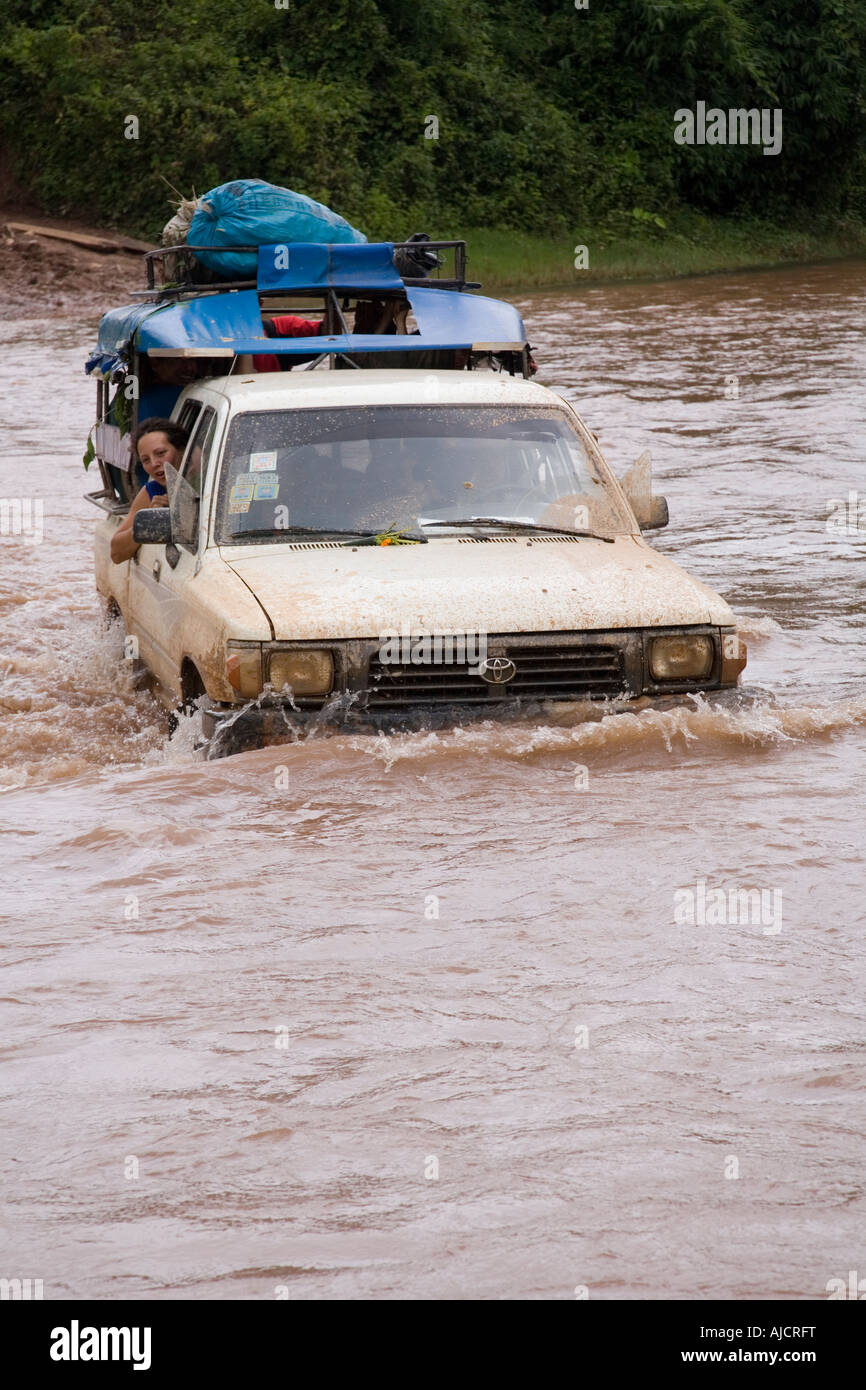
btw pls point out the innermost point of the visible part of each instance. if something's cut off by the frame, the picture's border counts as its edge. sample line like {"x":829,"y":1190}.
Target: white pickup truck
{"x":388,"y":546}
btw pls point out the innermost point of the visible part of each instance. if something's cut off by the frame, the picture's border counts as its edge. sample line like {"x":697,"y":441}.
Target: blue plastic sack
{"x":250,"y":212}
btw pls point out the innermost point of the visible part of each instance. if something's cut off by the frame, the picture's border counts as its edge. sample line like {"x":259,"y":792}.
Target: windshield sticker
{"x":241,"y":494}
{"x":263,"y":463}
{"x":266,"y":488}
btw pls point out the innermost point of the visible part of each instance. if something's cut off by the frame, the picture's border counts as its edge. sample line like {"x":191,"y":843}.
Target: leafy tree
{"x":549,"y":117}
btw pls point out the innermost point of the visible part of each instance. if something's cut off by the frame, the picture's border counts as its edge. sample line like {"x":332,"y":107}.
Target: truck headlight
{"x":244,"y":668}
{"x":305,"y":672}
{"x":682,"y":657}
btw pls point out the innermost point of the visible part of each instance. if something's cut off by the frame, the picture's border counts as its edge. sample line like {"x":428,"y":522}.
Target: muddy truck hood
{"x":450,"y":585}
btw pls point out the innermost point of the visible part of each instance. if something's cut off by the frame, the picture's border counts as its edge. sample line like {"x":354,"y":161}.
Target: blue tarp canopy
{"x":221,"y":323}
{"x":228,"y":323}
{"x":116,"y":330}
{"x":232,"y":323}
{"x":314,"y":266}
{"x":448,"y":319}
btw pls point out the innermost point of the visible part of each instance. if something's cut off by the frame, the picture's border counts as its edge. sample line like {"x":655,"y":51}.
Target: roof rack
{"x":226,"y":318}
{"x":458,"y":282}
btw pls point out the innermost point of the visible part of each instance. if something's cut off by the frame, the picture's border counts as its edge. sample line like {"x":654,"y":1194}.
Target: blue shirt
{"x":154,"y":489}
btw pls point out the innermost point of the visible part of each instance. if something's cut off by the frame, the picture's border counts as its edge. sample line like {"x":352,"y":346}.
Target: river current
{"x":418,"y":1015}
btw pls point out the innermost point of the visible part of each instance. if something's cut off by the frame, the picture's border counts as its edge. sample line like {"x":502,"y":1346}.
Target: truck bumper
{"x":229,"y":729}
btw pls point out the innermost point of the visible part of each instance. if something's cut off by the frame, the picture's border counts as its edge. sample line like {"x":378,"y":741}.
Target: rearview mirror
{"x":651,"y":512}
{"x":152,"y":526}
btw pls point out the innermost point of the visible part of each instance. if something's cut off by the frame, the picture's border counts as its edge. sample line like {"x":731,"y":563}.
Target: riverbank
{"x":34,"y":268}
{"x":684,"y":244}
{"x":43,"y":273}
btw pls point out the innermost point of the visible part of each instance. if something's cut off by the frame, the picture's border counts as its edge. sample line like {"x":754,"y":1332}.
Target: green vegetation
{"x":555,"y":124}
{"x":694,"y":244}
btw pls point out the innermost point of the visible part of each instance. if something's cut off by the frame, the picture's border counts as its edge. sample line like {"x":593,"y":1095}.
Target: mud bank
{"x":42,"y":276}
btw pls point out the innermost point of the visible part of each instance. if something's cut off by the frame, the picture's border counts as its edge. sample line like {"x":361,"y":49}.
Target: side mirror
{"x":152,"y":526}
{"x":650,"y":511}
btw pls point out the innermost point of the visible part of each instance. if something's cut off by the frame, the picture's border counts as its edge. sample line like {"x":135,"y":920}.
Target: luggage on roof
{"x":250,"y":212}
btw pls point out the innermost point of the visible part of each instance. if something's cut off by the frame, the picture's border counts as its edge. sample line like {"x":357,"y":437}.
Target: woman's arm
{"x":123,"y":547}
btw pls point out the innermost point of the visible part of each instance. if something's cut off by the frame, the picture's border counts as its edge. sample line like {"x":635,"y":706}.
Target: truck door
{"x":161,"y":601}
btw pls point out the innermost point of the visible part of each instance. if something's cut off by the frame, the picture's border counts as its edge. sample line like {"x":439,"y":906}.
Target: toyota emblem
{"x":497,"y":670}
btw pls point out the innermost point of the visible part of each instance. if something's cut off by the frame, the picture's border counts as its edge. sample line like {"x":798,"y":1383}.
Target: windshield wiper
{"x":505,"y":525}
{"x":278,"y":531}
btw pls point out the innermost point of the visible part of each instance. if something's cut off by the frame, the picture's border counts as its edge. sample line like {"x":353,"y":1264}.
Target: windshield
{"x":371,"y":468}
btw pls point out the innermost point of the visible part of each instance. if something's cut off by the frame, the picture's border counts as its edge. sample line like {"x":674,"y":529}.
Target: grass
{"x":637,"y":249}
{"x":644,"y":246}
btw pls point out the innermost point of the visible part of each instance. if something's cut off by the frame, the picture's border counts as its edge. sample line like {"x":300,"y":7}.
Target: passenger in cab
{"x":156,"y":442}
{"x":389,"y":316}
{"x":283,"y":326}
{"x":381,"y":316}
{"x":371,"y":316}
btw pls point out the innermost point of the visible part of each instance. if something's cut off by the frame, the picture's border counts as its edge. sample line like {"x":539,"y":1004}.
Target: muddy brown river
{"x":423,"y":1016}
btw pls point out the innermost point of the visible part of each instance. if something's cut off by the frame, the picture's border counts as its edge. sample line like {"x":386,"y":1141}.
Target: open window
{"x":189,"y":415}
{"x":185,"y":495}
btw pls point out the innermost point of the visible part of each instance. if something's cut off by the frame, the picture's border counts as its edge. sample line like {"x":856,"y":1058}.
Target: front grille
{"x":557,"y":672}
